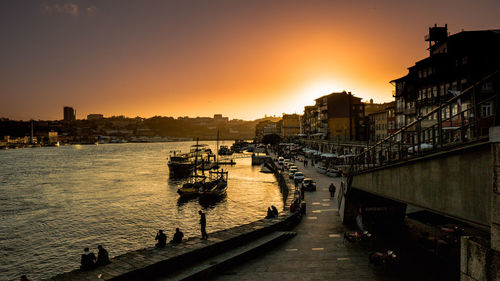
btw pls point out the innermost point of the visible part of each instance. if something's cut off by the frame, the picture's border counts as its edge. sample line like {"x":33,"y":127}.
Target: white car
{"x":298,"y":176}
{"x":281,"y":160}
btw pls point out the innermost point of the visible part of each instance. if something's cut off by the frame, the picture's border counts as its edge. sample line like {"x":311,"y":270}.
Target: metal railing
{"x":462,"y":119}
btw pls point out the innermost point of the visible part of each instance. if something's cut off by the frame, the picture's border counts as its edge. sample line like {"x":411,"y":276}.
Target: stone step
{"x":201,"y":270}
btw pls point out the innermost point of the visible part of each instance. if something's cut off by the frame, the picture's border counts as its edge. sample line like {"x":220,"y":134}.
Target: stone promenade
{"x":318,"y":251}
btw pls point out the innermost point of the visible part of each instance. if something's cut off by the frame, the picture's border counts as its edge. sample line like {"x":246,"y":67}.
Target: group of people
{"x":272,"y":212}
{"x":89,"y":260}
{"x":178,"y":235}
{"x":162,"y":238}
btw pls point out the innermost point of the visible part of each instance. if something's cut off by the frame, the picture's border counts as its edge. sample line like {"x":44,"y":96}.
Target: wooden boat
{"x":182,"y":164}
{"x":216,"y":185}
{"x":191,"y":188}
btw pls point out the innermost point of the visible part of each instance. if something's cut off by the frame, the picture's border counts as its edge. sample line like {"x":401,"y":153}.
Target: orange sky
{"x":243,"y":59}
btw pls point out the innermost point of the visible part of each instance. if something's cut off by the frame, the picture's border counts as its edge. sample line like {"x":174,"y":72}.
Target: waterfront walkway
{"x":318,"y":251}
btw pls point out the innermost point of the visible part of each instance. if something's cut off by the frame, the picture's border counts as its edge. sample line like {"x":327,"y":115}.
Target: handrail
{"x":414,"y":139}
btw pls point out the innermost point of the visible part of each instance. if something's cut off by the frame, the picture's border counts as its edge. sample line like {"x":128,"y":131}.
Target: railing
{"x":462,"y":119}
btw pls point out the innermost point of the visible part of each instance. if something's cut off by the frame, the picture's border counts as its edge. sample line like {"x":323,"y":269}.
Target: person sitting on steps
{"x":178,"y":235}
{"x":162,"y":239}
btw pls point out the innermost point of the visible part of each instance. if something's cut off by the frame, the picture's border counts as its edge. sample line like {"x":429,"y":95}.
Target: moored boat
{"x":216,"y":185}
{"x":224,"y":150}
{"x":191,"y":188}
{"x":182,"y":164}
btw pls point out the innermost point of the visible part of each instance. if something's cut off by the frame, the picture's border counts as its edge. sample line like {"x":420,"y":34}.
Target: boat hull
{"x":180,"y":170}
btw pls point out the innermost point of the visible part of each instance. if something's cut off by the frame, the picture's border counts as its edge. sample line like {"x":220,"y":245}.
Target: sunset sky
{"x":243,"y":59}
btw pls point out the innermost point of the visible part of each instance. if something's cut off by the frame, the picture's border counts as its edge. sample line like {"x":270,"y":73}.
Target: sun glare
{"x":315,"y":89}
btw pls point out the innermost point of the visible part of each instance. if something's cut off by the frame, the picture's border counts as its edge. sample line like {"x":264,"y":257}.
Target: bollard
{"x":303,"y":208}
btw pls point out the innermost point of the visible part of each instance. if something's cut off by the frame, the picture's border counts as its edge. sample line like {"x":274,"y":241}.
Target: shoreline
{"x":150,"y":261}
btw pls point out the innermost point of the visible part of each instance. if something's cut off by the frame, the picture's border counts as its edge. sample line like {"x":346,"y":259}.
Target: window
{"x":454,"y":109}
{"x":487,"y":87}
{"x":435,"y":91}
{"x":486,"y":109}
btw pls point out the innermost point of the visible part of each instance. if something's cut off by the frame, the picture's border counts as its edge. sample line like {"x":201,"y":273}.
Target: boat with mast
{"x":195,"y":181}
{"x":217,"y":180}
{"x":200,"y":185}
{"x":181,"y":165}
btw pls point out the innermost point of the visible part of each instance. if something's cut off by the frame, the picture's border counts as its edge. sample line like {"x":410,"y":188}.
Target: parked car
{"x":333,"y":172}
{"x":292,"y":166}
{"x":291,"y":172}
{"x":298,"y":176}
{"x":281,"y":160}
{"x":308,"y":184}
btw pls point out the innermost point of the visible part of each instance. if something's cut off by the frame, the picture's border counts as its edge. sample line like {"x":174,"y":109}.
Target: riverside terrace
{"x":317,"y":252}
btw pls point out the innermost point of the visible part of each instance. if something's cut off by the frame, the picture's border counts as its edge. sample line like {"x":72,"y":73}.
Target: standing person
{"x":203,"y":224}
{"x":88,"y":260}
{"x":102,"y":256}
{"x":162,"y":239}
{"x":332,"y":190}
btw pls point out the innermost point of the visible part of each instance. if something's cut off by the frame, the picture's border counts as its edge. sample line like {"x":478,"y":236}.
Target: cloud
{"x":92,"y":10}
{"x":66,"y":8}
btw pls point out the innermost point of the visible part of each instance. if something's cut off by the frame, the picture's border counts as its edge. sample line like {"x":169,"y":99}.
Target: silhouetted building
{"x":337,"y":116}
{"x":218,"y":118}
{"x":309,"y":121}
{"x":290,"y":125}
{"x":381,"y":122}
{"x":455,"y":63}
{"x":69,"y":114}
{"x":267,"y":127}
{"x":95,"y":117}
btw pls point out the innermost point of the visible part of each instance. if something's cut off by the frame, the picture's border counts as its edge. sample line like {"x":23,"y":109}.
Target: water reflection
{"x":57,"y":201}
{"x":183,"y":200}
{"x":211,"y":202}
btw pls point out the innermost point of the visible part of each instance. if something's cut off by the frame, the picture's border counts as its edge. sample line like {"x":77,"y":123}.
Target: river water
{"x":54,"y":201}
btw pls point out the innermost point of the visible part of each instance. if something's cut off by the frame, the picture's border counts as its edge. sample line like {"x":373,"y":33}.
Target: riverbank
{"x":60,"y":200}
{"x":155,"y":262}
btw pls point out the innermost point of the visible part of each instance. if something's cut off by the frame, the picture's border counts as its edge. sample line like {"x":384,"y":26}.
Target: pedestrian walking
{"x":203,"y":224}
{"x":332,"y":190}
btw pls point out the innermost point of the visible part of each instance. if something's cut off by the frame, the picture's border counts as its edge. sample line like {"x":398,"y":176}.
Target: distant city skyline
{"x":243,"y":59}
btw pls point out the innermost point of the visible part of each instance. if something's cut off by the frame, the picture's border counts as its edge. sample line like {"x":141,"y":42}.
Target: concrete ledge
{"x":149,"y":262}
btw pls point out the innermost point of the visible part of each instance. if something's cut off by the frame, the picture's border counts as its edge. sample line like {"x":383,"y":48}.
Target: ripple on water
{"x":56,"y":201}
